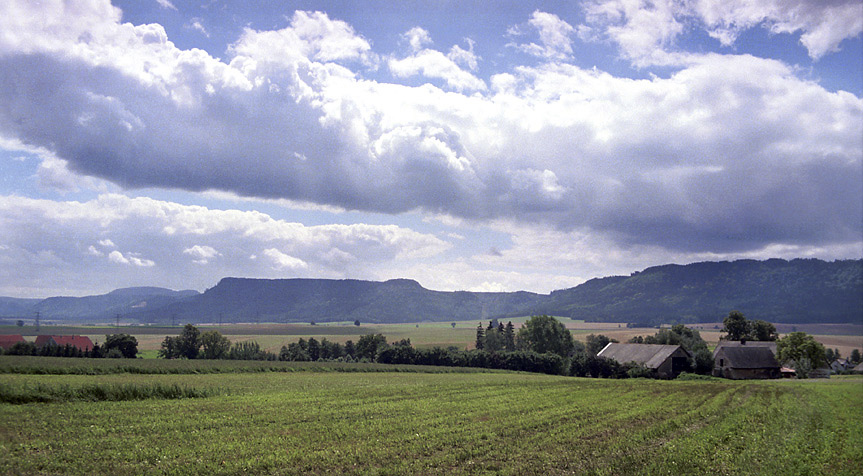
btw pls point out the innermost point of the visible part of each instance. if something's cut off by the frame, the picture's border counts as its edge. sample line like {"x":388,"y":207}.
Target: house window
{"x":722,"y":362}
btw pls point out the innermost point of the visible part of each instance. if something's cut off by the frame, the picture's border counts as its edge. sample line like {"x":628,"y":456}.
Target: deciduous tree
{"x":189,"y":342}
{"x":369,"y":345}
{"x":215,"y":345}
{"x":545,"y":334}
{"x":597,"y":342}
{"x":169,"y":349}
{"x":125,"y":344}
{"x":314,"y":349}
{"x":802,"y":351}
{"x":736,"y":326}
{"x":763,"y":331}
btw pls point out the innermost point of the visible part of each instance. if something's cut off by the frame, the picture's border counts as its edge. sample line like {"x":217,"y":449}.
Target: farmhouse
{"x":666,"y":360}
{"x":7,"y":341}
{"x":841,"y":365}
{"x":81,"y":342}
{"x":745,"y":361}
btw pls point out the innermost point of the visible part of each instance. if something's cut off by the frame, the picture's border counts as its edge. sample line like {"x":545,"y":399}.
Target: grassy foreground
{"x":436,"y":423}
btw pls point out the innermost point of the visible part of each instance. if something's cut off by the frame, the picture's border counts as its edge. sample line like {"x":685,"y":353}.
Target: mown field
{"x":413,"y":422}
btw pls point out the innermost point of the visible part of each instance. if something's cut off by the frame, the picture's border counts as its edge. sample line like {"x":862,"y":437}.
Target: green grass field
{"x":413,"y":422}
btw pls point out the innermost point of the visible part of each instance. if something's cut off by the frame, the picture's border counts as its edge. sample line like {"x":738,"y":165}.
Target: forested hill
{"x":102,"y":307}
{"x":797,"y":291}
{"x":320,"y":300}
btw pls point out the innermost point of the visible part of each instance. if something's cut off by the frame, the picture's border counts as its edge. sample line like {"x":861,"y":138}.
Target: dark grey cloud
{"x":729,"y":153}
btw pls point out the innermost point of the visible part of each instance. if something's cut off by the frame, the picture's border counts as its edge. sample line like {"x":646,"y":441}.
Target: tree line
{"x":115,"y":346}
{"x":542,"y":344}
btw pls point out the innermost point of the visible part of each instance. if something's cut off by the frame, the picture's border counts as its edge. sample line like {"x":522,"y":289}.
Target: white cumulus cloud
{"x":281,"y":260}
{"x":71,"y":254}
{"x":202,"y":254}
{"x":724,"y":153}
{"x":646,"y":30}
{"x":434,"y":64}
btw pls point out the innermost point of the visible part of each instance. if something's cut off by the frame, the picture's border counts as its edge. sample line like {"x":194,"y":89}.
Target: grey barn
{"x":744,"y":361}
{"x":666,"y":360}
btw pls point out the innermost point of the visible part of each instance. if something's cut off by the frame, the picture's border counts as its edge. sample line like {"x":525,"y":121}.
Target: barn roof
{"x":648,"y":355}
{"x":42,"y":340}
{"x":749,"y":343}
{"x":7,"y":341}
{"x":81,"y":342}
{"x":747,"y":357}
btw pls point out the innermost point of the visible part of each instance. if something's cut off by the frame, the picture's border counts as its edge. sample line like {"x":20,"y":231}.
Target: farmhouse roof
{"x":746,"y":357}
{"x":648,"y":355}
{"x":42,"y":340}
{"x":7,"y":341}
{"x":81,"y":342}
{"x":748,"y":343}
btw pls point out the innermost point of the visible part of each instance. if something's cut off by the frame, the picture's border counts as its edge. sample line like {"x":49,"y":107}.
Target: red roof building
{"x":81,"y":342}
{"x":7,"y":341}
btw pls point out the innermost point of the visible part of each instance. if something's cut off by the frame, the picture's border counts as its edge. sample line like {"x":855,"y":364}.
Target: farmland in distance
{"x":271,"y":336}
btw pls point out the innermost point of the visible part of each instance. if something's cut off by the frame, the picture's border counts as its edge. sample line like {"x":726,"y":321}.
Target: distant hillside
{"x":321,"y":300}
{"x":797,"y":291}
{"x":15,"y":307}
{"x":120,"y":301}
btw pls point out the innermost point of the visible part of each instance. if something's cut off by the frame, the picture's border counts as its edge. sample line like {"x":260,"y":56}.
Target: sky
{"x":469,"y":145}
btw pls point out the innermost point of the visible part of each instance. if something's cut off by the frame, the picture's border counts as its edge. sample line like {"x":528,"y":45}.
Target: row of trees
{"x":540,"y":334}
{"x":115,"y":346}
{"x":194,"y":344}
{"x":833,"y":354}
{"x":366,"y":349}
{"x":542,"y":344}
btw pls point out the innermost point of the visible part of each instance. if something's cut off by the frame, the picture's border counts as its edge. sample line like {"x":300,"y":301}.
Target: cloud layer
{"x":70,"y":247}
{"x":725,"y":153}
{"x":646,"y":30}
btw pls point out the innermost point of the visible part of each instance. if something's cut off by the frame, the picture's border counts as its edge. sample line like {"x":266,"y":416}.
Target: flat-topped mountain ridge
{"x":795,"y":291}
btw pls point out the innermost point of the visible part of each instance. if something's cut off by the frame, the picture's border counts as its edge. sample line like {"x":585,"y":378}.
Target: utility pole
{"x":118,"y":319}
{"x":221,"y":314}
{"x":37,"y":320}
{"x":173,"y":319}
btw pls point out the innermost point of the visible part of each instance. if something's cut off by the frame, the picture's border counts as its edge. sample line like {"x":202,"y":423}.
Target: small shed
{"x":7,"y":341}
{"x":745,"y":362}
{"x":858,"y":369}
{"x":788,"y":372}
{"x":666,"y":360}
{"x":81,"y":342}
